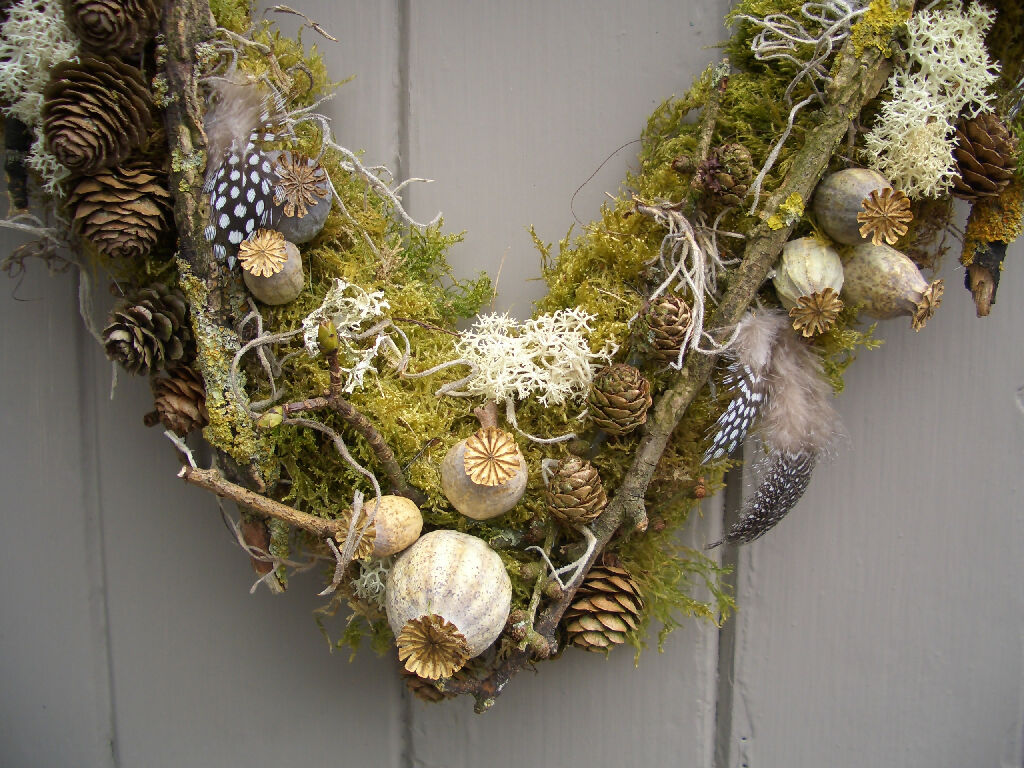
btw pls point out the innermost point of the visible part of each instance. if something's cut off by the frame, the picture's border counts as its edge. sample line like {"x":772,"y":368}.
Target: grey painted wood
{"x":881,"y":623}
{"x":514,"y":105}
{"x":55,"y":706}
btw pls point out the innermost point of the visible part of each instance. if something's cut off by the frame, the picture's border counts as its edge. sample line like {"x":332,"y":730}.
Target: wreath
{"x":481,"y":492}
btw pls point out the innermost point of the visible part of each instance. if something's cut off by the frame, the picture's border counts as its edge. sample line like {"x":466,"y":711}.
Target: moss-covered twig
{"x":335,"y":401}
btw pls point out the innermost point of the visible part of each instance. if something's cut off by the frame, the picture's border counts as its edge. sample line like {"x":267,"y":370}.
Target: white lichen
{"x":549,"y":357}
{"x":52,"y":173}
{"x":357,"y":315}
{"x":370,"y":585}
{"x":32,"y":41}
{"x":947,"y":71}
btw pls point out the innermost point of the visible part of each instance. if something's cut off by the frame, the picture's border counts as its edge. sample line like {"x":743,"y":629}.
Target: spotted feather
{"x":241,"y":196}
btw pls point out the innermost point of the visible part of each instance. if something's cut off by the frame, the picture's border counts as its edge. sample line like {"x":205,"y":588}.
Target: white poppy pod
{"x":807,"y":267}
{"x":485,"y":475}
{"x":448,"y":598}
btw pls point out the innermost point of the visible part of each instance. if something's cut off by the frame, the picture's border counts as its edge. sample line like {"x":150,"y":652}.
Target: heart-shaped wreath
{"x":482,"y":498}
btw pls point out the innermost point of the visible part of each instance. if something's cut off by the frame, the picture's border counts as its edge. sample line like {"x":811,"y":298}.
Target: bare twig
{"x":213,"y":481}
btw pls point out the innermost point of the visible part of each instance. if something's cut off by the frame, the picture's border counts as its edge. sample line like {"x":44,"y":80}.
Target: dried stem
{"x":212,"y":480}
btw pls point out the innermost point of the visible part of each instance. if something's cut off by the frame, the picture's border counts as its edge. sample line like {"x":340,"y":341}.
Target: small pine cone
{"x":149,"y":330}
{"x":986,"y":157}
{"x":726,"y":174}
{"x":575,"y":495}
{"x":95,"y":112}
{"x":113,"y":27}
{"x":619,"y":399}
{"x":123,"y":211}
{"x":606,"y":607}
{"x":180,"y":401}
{"x":669,"y":318}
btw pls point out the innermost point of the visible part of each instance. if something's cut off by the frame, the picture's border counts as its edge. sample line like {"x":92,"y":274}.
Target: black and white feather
{"x":798,"y":423}
{"x":240,"y":179}
{"x":749,"y":357}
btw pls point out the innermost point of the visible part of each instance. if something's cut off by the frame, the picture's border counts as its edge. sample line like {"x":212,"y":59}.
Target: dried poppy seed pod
{"x":485,"y":475}
{"x":885,"y":283}
{"x":272,"y":271}
{"x":808,"y":279}
{"x":397,"y":523}
{"x":302,"y":195}
{"x":838,"y":200}
{"x":448,"y":598}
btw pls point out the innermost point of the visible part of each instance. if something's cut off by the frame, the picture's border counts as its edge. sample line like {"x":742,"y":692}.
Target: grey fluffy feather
{"x":798,"y":423}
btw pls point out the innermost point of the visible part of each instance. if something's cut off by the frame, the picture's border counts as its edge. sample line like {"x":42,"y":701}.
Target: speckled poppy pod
{"x":885,"y":283}
{"x":448,"y":598}
{"x":485,"y":475}
{"x":840,"y":197}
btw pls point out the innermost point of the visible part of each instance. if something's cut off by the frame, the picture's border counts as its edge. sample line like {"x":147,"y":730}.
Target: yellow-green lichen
{"x":994,"y":219}
{"x":876,"y":28}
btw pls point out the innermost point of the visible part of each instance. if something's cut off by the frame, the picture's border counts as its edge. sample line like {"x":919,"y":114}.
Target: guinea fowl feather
{"x":798,"y":423}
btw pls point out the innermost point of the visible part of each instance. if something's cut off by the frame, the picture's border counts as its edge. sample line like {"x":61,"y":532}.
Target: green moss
{"x":231,"y":14}
{"x":230,"y":428}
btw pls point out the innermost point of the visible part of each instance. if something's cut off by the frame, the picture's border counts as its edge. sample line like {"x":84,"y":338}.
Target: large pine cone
{"x":619,"y":399}
{"x":149,"y":331}
{"x":606,"y":607}
{"x":986,"y":157}
{"x":575,"y":494}
{"x":115,"y":27}
{"x":95,"y":112}
{"x":123,"y":211}
{"x":180,"y":401}
{"x":668,"y":318}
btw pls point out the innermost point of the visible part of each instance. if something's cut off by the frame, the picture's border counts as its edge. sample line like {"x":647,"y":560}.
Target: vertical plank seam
{"x":407,"y":757}
{"x":94,"y":539}
{"x":731,"y":507}
{"x":404,"y":94}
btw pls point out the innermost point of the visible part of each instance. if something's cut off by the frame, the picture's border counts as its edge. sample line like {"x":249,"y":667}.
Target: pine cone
{"x":95,"y":112}
{"x":149,"y":330}
{"x":180,"y":401}
{"x":619,"y":399}
{"x":575,"y":494}
{"x":726,"y":174}
{"x":986,"y":157}
{"x":669,"y":318}
{"x":606,"y":607}
{"x":114,"y":27}
{"x":123,"y":211}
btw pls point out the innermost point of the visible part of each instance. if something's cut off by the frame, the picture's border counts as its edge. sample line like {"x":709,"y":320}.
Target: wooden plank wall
{"x":880,"y":625}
